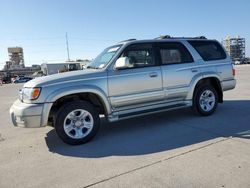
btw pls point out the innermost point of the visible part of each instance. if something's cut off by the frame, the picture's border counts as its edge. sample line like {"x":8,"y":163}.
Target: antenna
{"x":67,"y":44}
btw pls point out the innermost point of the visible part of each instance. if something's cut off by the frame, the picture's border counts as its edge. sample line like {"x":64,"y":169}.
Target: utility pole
{"x":67,"y":44}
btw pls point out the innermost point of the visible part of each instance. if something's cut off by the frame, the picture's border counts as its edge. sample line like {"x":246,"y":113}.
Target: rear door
{"x":141,"y":83}
{"x":178,"y":69}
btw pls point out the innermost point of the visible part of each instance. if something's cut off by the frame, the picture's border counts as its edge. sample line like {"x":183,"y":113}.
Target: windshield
{"x":103,"y":58}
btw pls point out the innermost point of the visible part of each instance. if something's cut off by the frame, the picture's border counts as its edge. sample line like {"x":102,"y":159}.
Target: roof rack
{"x":200,"y":37}
{"x":163,"y":37}
{"x":127,"y":40}
{"x":169,"y":37}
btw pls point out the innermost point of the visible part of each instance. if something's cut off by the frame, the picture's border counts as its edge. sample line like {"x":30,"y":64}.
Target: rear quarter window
{"x":209,"y":50}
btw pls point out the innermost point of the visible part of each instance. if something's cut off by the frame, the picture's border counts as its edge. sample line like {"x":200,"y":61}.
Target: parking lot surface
{"x":171,"y":149}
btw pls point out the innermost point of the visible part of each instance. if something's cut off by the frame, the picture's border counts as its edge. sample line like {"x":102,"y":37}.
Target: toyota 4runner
{"x":128,"y":79}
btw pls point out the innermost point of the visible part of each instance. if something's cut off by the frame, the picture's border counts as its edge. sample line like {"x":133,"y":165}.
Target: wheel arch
{"x":95,"y":96}
{"x":211,"y":80}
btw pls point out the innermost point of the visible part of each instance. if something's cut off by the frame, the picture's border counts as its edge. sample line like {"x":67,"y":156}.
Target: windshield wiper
{"x":92,"y":67}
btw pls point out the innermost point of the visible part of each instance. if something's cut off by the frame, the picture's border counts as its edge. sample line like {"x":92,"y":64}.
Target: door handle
{"x":153,"y":74}
{"x":194,"y":70}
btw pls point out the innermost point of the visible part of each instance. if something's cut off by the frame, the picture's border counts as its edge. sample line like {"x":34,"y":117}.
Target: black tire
{"x":197,"y":107}
{"x":65,"y":110}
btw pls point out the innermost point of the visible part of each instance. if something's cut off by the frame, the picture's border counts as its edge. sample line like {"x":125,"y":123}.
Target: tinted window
{"x":209,"y":50}
{"x":140,"y":55}
{"x":172,"y":53}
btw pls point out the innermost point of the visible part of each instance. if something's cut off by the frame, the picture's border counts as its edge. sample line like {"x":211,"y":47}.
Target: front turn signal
{"x":35,"y":93}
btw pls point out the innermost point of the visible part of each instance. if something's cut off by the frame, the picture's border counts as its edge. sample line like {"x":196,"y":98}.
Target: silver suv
{"x":131,"y":78}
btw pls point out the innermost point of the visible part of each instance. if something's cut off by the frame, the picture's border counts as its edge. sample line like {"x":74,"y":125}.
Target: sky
{"x":40,"y":26}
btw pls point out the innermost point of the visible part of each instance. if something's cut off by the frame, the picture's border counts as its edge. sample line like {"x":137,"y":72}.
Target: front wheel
{"x":205,"y":100}
{"x":77,"y":122}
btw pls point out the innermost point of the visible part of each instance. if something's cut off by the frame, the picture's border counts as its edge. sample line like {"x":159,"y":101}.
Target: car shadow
{"x":159,"y":132}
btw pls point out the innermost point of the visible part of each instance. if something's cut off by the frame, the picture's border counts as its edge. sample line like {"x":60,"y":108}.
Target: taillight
{"x":233,"y":71}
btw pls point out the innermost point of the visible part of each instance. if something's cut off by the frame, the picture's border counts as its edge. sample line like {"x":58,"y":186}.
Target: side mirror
{"x":122,"y":63}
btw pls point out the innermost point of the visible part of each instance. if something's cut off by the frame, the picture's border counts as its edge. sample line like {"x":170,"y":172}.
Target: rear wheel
{"x":77,"y":122}
{"x":205,"y":100}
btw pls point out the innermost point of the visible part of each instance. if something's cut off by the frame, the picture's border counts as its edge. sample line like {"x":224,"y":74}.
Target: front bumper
{"x":26,"y":115}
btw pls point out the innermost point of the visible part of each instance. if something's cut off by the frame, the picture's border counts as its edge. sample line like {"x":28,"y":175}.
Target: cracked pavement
{"x":171,"y":149}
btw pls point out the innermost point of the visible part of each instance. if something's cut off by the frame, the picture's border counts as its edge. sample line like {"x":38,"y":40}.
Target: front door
{"x":139,"y":84}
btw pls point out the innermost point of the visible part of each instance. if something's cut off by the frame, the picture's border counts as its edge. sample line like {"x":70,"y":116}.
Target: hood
{"x":63,"y":77}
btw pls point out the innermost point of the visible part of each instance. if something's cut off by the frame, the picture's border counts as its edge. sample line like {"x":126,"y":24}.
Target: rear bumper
{"x":26,"y":115}
{"x":228,"y":84}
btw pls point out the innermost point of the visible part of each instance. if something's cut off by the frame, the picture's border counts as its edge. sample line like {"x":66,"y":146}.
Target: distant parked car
{"x":237,"y":62}
{"x":22,"y":80}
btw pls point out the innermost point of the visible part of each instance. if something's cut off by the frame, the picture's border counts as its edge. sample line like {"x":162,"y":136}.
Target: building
{"x":54,"y":68}
{"x":83,"y":63}
{"x":235,"y":48}
{"x":15,"y":66}
{"x":247,"y":61}
{"x":16,"y":58}
{"x":26,"y":71}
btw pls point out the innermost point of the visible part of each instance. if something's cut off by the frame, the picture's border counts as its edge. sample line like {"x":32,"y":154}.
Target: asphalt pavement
{"x":171,"y":149}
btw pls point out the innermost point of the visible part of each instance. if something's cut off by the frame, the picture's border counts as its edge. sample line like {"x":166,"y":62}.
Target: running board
{"x":125,"y":115}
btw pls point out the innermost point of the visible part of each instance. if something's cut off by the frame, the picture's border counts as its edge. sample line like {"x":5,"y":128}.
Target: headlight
{"x":30,"y":93}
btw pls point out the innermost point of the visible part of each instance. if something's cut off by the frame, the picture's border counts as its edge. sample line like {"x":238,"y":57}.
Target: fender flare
{"x":57,"y":94}
{"x":196,"y":79}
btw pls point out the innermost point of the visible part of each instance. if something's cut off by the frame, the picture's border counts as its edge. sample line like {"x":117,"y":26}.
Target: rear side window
{"x":174,"y":53}
{"x":209,"y":50}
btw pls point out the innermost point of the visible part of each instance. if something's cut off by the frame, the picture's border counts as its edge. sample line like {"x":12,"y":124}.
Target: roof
{"x":164,"y":38}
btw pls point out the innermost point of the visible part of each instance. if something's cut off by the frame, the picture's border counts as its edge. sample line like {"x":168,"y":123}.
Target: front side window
{"x":174,"y":53}
{"x":209,"y":50}
{"x":139,"y":55}
{"x":104,"y":58}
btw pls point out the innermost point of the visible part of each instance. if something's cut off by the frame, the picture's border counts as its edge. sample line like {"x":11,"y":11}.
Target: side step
{"x":125,"y":115}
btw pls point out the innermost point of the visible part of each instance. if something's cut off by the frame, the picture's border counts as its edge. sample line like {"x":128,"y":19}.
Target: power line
{"x":43,"y":51}
{"x":94,"y":39}
{"x":36,"y":38}
{"x":44,"y":60}
{"x":61,"y":37}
